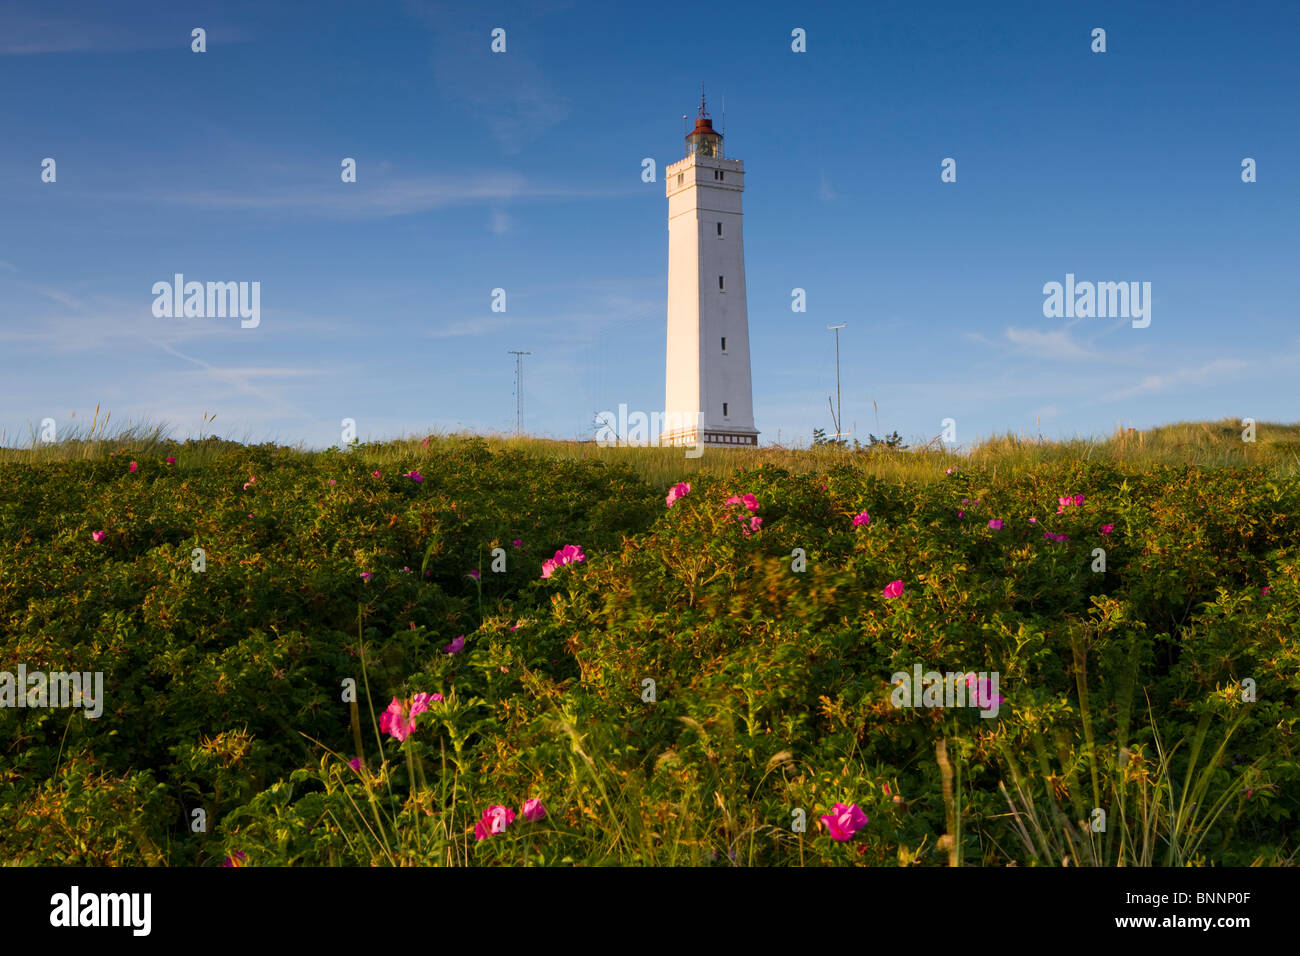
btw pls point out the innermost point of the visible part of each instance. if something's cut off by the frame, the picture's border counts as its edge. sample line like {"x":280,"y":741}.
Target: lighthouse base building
{"x":708,"y":394}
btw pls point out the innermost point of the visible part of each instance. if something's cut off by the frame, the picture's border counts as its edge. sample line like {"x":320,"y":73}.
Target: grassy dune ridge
{"x":1199,"y":444}
{"x":1160,"y":690}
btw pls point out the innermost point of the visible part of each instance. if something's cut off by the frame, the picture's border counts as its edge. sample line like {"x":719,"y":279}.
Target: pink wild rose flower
{"x":844,"y":822}
{"x":456,"y":646}
{"x":893,"y":589}
{"x":495,"y":819}
{"x":751,"y":504}
{"x":533,"y":810}
{"x":996,"y":524}
{"x":420,"y":703}
{"x":98,"y":535}
{"x":394,"y":722}
{"x":679,"y":490}
{"x":569,"y":554}
{"x":982,"y":691}
{"x":862,"y":518}
{"x":1068,"y":500}
{"x":399,"y":719}
{"x":134,"y":467}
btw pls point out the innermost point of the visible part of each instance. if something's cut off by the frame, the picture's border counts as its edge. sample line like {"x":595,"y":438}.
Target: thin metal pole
{"x":839,"y":407}
{"x":519,"y":386}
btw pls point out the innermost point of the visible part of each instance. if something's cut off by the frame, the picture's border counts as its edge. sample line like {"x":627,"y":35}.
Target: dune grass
{"x":1220,"y":444}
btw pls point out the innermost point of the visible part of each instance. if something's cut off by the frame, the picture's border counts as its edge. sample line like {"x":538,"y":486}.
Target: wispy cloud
{"x":1055,"y":345}
{"x":1198,"y":375}
{"x":81,"y":325}
{"x":397,"y":197}
{"x":240,"y":379}
{"x":29,"y":30}
{"x":508,"y":92}
{"x":575,"y":311}
{"x":25,"y":36}
{"x":467,"y":327}
{"x":824,"y":191}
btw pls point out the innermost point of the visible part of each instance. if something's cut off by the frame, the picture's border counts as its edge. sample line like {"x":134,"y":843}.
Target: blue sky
{"x":522,"y":171}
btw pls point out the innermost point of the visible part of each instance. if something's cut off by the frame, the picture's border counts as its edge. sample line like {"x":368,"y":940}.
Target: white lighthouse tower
{"x":707,"y":386}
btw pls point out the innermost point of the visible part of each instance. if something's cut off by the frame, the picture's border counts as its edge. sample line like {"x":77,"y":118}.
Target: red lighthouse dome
{"x":704,"y":140}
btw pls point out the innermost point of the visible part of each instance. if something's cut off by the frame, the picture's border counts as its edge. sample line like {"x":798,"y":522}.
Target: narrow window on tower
{"x":680,"y":178}
{"x":724,"y":409}
{"x":722,"y":284}
{"x":719,"y":230}
{"x":721,"y":174}
{"x":724,"y":343}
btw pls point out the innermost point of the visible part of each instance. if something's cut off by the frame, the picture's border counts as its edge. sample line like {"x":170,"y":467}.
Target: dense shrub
{"x":763,"y":624}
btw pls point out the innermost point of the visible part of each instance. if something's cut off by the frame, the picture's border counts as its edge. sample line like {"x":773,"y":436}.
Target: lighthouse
{"x":707,"y":385}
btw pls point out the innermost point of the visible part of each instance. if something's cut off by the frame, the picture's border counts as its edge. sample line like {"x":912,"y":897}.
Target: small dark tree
{"x":891,"y":442}
{"x":820,"y":440}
